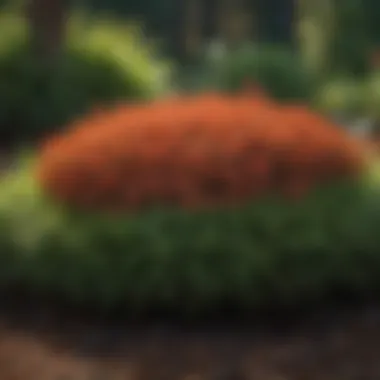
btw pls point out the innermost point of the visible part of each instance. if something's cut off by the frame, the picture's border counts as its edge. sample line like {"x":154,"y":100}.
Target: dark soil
{"x":334,"y":345}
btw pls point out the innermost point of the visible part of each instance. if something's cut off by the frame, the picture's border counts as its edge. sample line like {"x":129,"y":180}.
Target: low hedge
{"x":272,"y":251}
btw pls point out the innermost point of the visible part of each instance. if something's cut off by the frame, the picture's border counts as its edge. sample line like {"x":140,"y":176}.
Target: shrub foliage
{"x":205,"y":151}
{"x":277,"y":69}
{"x":103,"y":61}
{"x":272,"y":252}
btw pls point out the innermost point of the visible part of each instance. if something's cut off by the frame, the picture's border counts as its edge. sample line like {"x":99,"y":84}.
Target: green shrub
{"x":351,"y":45}
{"x":275,"y":251}
{"x":372,"y":94}
{"x":103,"y":62}
{"x":350,"y":96}
{"x":343,"y":95}
{"x":278,"y":70}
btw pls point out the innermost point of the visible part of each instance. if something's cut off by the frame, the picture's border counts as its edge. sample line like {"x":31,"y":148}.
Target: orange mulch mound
{"x":201,"y":151}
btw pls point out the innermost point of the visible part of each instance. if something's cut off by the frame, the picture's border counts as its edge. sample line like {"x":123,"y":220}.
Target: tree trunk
{"x":236,"y":20}
{"x":179,"y":30}
{"x":315,"y":31}
{"x":276,"y":20}
{"x":47,"y":21}
{"x":209,"y":22}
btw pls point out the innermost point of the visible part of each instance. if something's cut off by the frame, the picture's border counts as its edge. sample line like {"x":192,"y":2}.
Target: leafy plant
{"x":351,"y":45}
{"x":269,"y":252}
{"x":347,"y":96}
{"x":103,"y":62}
{"x":276,"y":69}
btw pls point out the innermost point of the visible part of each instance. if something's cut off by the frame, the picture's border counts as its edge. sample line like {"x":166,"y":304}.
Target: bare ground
{"x":338,"y":347}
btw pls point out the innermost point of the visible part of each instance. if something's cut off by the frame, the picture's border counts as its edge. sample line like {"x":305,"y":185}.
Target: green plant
{"x":269,"y":252}
{"x":372,"y":94}
{"x":276,"y":69}
{"x":351,"y":96}
{"x":103,"y":61}
{"x":315,"y":30}
{"x":347,"y":96}
{"x":351,"y":45}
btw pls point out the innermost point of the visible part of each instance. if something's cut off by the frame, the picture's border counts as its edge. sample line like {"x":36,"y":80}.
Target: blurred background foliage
{"x":56,"y":65}
{"x":102,"y":61}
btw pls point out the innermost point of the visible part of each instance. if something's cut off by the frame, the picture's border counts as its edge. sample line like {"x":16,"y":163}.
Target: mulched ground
{"x":336,"y":346}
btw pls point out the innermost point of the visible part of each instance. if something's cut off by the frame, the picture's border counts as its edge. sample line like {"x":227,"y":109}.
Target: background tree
{"x":351,"y":45}
{"x":315,"y":32}
{"x":276,"y":19}
{"x":47,"y":21}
